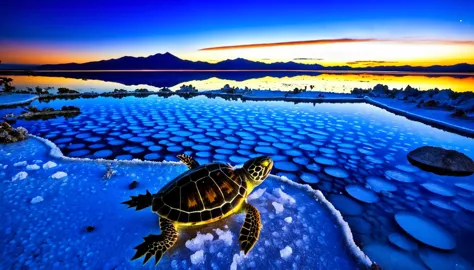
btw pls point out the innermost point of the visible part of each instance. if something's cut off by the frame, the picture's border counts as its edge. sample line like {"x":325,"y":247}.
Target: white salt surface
{"x":20,"y":176}
{"x":278,"y":207}
{"x":198,"y":257}
{"x":49,"y":165}
{"x":286,"y":252}
{"x":36,"y":200}
{"x":33,"y":167}
{"x":59,"y":175}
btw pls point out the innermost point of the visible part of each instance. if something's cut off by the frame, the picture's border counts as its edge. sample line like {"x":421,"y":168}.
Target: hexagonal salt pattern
{"x":354,"y":153}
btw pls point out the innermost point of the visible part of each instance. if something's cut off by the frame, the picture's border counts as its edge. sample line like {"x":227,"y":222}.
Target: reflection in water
{"x":339,"y":83}
{"x":72,"y":83}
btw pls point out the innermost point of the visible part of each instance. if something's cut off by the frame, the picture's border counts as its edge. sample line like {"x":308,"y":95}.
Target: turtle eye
{"x":265,"y":163}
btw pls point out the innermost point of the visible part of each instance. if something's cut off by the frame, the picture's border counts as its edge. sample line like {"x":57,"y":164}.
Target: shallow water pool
{"x":354,"y":153}
{"x":10,"y":99}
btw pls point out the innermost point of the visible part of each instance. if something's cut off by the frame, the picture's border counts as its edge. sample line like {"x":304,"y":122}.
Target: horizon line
{"x":322,"y":71}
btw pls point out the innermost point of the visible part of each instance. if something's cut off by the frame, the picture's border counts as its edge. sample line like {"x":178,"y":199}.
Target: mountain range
{"x":168,"y":61}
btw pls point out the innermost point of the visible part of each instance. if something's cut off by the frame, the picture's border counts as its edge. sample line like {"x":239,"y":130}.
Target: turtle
{"x":201,"y":195}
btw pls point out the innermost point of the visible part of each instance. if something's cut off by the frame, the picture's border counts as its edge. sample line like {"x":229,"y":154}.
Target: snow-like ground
{"x":14,"y":99}
{"x":46,"y":213}
{"x":442,"y":116}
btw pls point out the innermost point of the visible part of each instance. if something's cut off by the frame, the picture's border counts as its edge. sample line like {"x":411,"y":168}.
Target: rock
{"x":8,"y":134}
{"x":359,"y":91}
{"x":142,"y":90}
{"x":459,"y":113}
{"x":410,"y":91}
{"x":63,"y":90}
{"x":444,"y":96}
{"x":379,"y":90}
{"x":187,"y":89}
{"x":466,"y":105}
{"x":430,"y":103}
{"x":441,"y":161}
{"x":226,"y":88}
{"x":90,"y":228}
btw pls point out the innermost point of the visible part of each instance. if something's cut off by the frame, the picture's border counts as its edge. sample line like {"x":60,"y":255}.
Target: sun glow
{"x":379,"y":53}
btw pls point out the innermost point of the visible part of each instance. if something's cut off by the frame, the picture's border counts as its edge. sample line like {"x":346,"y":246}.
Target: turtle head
{"x":257,"y":169}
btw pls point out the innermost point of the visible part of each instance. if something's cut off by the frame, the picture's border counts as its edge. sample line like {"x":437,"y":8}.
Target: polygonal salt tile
{"x":425,"y":230}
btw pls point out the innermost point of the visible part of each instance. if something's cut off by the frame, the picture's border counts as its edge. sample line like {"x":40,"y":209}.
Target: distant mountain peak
{"x":168,"y":61}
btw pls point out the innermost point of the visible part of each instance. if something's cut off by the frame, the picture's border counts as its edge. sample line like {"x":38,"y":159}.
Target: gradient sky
{"x":336,"y":32}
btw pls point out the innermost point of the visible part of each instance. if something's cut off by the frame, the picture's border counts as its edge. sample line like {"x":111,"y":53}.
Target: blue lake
{"x":354,"y":153}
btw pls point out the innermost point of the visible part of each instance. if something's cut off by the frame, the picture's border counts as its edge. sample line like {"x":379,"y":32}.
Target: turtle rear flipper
{"x":157,"y":245}
{"x":140,"y":201}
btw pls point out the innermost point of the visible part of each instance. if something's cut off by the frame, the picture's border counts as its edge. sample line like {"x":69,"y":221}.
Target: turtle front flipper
{"x":250,"y":231}
{"x":188,"y":160}
{"x":157,"y":245}
{"x":140,"y":201}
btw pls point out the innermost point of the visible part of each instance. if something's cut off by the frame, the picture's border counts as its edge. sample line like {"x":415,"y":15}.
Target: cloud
{"x":287,"y":43}
{"x":370,"y":62}
{"x":335,"y":41}
{"x":305,"y":59}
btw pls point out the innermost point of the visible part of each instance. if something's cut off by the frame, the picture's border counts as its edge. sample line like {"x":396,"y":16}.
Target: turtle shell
{"x":205,"y":193}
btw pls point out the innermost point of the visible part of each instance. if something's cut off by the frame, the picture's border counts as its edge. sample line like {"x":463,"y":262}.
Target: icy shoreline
{"x":66,"y":177}
{"x":458,"y":128}
{"x":356,"y":251}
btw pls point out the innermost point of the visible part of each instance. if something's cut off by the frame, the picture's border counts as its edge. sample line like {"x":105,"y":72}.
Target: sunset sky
{"x":356,"y":33}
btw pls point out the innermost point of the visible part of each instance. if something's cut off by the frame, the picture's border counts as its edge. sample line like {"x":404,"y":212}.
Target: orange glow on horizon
{"x":327,"y":52}
{"x":19,"y":53}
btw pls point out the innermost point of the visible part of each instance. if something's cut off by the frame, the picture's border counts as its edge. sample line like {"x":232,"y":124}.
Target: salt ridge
{"x":354,"y":249}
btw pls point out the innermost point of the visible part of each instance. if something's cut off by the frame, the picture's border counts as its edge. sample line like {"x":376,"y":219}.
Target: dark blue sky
{"x":184,"y":26}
